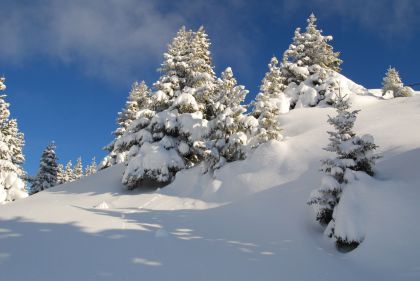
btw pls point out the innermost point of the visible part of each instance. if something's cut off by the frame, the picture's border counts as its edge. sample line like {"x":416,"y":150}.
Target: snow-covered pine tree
{"x":16,"y":142}
{"x":270,"y":103}
{"x":173,"y":69}
{"x":392,"y":84}
{"x":231,"y":128}
{"x":353,"y":154}
{"x":78,"y":169}
{"x":201,"y":76}
{"x":91,"y":169}
{"x":173,"y":139}
{"x":68,"y":173}
{"x":61,"y":175}
{"x":12,"y":187}
{"x":311,"y":47}
{"x":138,"y":100}
{"x":48,"y":170}
{"x":2,"y":85}
{"x":309,"y":67}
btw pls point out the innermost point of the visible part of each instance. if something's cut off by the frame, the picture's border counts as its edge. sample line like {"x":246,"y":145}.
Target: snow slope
{"x":249,"y":222}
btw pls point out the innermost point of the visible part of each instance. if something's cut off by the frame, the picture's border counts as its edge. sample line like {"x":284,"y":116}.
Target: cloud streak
{"x":390,"y":19}
{"x":112,"y":38}
{"x":106,"y":37}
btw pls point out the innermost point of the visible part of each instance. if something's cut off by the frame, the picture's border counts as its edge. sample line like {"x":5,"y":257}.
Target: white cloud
{"x":117,"y":38}
{"x":389,"y":19}
{"x":105,"y":37}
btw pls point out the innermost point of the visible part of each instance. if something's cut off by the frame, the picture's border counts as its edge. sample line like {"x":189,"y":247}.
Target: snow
{"x":193,"y":125}
{"x":152,"y":159}
{"x":186,"y":99}
{"x":249,"y":221}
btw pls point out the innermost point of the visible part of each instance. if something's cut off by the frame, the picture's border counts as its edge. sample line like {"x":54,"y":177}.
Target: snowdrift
{"x":249,"y":221}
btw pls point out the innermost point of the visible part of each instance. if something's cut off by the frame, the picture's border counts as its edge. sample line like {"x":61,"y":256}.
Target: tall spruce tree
{"x":12,"y":187}
{"x":353,"y":154}
{"x":174,"y":70}
{"x":48,"y":170}
{"x":201,"y":76}
{"x":174,"y":136}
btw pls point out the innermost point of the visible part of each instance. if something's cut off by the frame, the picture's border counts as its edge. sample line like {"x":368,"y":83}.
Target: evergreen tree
{"x":2,"y":85}
{"x":353,"y":154}
{"x":309,"y":67}
{"x":231,"y":128}
{"x":311,"y":47}
{"x":270,"y":103}
{"x":174,"y":70}
{"x":176,"y":130}
{"x":48,"y":170}
{"x":201,"y":76}
{"x":78,"y":169}
{"x":68,"y":173}
{"x":138,"y":100}
{"x":12,"y":187}
{"x":16,"y":142}
{"x":392,"y":83}
{"x":61,"y":175}
{"x":91,"y":169}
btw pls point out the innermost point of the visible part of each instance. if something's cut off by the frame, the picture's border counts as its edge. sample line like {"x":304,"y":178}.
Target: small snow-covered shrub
{"x":393,"y":86}
{"x":320,"y":86}
{"x":155,"y":162}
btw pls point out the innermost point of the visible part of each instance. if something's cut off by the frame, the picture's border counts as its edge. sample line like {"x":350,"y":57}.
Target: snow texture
{"x":249,"y":222}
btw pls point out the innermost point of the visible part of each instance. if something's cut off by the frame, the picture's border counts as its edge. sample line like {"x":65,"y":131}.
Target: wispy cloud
{"x":110,"y":38}
{"x":390,"y":19}
{"x":105,"y":37}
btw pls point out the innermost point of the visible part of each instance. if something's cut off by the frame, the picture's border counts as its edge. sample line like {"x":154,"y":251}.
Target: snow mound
{"x":102,"y":206}
{"x":249,"y":220}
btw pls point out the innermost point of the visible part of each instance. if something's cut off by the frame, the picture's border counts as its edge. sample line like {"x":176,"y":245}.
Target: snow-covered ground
{"x":250,"y":222}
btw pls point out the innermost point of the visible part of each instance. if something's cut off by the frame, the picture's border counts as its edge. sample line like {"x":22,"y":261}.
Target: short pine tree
{"x":78,"y":169}
{"x":48,"y":170}
{"x":392,"y":83}
{"x":231,"y":128}
{"x":268,"y":104}
{"x":68,"y":173}
{"x":138,"y":101}
{"x":60,"y":174}
{"x":91,"y":169}
{"x":353,"y":154}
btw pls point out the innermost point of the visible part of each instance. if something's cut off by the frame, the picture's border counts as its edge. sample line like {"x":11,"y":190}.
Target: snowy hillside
{"x":250,"y":222}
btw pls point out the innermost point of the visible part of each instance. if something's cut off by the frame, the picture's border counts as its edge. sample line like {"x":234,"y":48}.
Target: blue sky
{"x":70,"y":64}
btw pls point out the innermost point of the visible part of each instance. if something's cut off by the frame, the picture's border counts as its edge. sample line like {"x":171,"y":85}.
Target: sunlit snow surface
{"x":249,"y":222}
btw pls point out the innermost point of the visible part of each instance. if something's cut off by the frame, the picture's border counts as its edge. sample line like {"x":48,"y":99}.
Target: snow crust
{"x":249,"y":221}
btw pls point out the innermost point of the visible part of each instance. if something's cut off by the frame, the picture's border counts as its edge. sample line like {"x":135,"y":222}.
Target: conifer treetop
{"x":311,"y":47}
